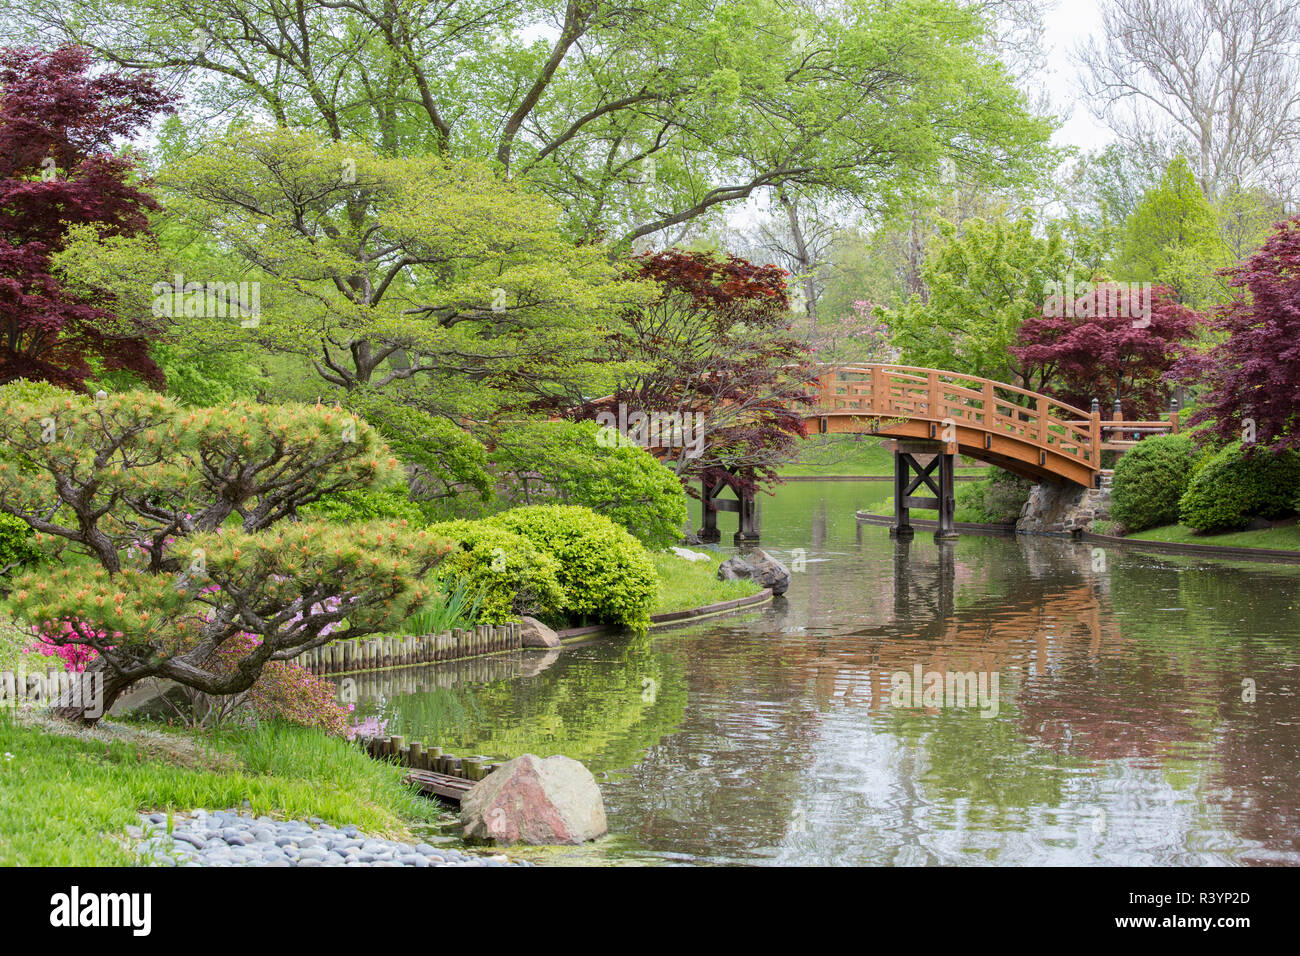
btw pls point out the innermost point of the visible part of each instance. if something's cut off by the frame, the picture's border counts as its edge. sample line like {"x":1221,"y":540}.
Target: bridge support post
{"x":909,"y":475}
{"x":902,"y":526}
{"x":745,"y":504}
{"x":709,"y":533}
{"x":947,"y":498}
{"x":747,"y":533}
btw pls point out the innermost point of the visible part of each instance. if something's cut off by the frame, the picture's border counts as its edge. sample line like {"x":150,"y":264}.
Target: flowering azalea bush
{"x":75,"y":656}
{"x":284,"y":690}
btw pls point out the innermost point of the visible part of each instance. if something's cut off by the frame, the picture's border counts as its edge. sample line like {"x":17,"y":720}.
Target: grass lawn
{"x":688,"y":584}
{"x":1284,"y":538}
{"x":67,"y":795}
{"x":13,"y":641}
{"x":841,"y":455}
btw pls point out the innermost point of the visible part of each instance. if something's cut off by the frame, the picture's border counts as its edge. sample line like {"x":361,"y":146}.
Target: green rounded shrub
{"x":513,"y":575}
{"x":1150,"y":480}
{"x":607,"y":576}
{"x":1234,"y":487}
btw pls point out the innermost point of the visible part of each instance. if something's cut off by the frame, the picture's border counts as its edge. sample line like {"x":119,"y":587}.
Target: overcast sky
{"x":1067,"y":25}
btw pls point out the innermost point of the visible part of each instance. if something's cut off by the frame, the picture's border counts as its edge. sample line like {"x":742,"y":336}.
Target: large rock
{"x":768,"y":571}
{"x":536,"y":634}
{"x":530,"y":800}
{"x":758,"y":566}
{"x":734,"y":569}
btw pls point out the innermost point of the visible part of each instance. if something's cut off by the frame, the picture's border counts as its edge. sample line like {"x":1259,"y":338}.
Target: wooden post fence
{"x":381,"y":652}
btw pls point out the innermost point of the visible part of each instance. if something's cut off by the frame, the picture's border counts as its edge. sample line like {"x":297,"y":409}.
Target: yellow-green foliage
{"x":606,"y":574}
{"x":370,"y":573}
{"x":66,"y":797}
{"x":513,"y":575}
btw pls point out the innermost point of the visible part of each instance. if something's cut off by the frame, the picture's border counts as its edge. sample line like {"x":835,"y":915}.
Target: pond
{"x":1119,"y":707}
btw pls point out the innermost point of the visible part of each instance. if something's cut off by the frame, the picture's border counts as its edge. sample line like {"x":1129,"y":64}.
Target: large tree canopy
{"x":983,"y":282}
{"x":386,"y":270}
{"x":57,"y":171}
{"x":633,"y":117}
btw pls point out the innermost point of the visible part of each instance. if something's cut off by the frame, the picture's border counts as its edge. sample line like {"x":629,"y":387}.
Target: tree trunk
{"x":90,"y":698}
{"x":802,"y":256}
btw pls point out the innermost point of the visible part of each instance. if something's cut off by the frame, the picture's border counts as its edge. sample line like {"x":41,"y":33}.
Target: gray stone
{"x":184,"y":836}
{"x":758,"y":566}
{"x":536,"y":634}
{"x":768,"y":571}
{"x":1062,"y":508}
{"x":735,"y":568}
{"x":531,"y":800}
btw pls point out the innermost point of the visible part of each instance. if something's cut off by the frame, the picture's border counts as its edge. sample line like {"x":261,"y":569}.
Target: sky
{"x":1068,"y":24}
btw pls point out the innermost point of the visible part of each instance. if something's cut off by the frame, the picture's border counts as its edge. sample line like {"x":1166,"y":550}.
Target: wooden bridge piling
{"x":910,"y":474}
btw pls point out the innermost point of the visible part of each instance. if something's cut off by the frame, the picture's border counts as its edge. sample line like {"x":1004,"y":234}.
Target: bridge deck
{"x":1025,"y":432}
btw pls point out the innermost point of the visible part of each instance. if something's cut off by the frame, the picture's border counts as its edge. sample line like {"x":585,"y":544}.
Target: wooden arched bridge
{"x":936,"y":415}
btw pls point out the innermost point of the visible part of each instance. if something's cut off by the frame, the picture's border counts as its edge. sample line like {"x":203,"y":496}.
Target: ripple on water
{"x":1122,"y":733}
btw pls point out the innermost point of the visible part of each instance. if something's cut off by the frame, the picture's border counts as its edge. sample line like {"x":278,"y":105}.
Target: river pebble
{"x":232,"y":838}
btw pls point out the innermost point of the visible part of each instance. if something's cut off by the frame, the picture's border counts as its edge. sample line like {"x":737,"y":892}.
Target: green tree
{"x":181,"y":515}
{"x":984,"y":282}
{"x":381,"y":270}
{"x":635,"y":118}
{"x":1173,"y":238}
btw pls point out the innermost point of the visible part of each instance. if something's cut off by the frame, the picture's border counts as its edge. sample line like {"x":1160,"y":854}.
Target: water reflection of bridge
{"x":1025,"y":631}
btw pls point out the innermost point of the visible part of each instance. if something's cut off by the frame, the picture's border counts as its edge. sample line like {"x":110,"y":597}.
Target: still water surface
{"x":1121,"y":733}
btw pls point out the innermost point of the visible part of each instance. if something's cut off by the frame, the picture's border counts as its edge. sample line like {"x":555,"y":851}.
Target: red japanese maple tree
{"x":717,"y":341}
{"x":1254,"y":373}
{"x":1119,"y":354}
{"x":58,"y":124}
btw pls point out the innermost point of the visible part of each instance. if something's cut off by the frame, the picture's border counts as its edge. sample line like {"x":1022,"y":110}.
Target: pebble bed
{"x":228,"y":838}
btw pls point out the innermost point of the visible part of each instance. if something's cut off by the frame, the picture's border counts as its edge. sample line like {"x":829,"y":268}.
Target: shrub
{"x":357,"y":505}
{"x":75,"y":657}
{"x":511,"y":574}
{"x":1234,"y":487}
{"x":284,"y":690}
{"x":993,"y":500}
{"x":579,"y":463}
{"x":17,"y":546}
{"x":1150,"y":480}
{"x":606,"y":574}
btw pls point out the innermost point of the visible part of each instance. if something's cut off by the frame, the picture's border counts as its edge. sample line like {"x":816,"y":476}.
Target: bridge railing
{"x":900,"y":391}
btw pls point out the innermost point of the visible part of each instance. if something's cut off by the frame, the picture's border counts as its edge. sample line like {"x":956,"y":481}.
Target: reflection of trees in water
{"x":1190,"y":646}
{"x":1133,"y":662}
{"x":604,"y":706}
{"x":727,"y":778}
